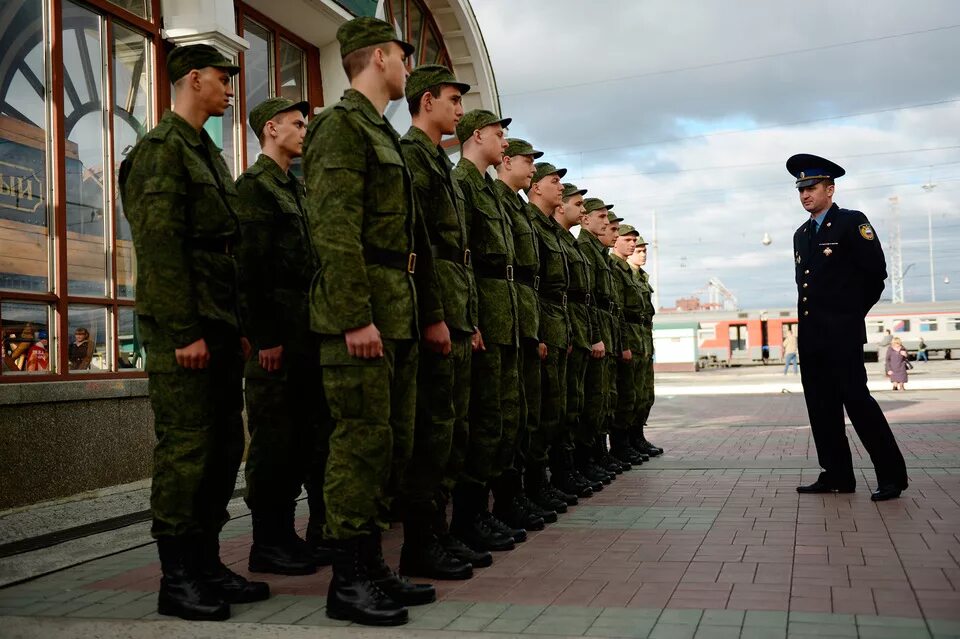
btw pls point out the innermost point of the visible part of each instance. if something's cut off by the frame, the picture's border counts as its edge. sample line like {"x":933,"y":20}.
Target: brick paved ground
{"x":709,"y":541}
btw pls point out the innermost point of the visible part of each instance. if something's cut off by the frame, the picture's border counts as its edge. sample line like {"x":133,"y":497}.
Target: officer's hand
{"x":194,"y":356}
{"x":598,"y":350}
{"x":626,"y":355}
{"x":271,"y":359}
{"x":543,"y":351}
{"x":365,"y":342}
{"x":245,"y":348}
{"x":477,"y":342}
{"x":437,"y":337}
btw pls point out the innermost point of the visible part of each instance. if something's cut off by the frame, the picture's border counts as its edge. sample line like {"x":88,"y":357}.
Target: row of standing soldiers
{"x":410,"y":334}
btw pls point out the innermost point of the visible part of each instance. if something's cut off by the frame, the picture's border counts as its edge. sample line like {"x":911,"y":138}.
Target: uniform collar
{"x":363,"y":104}
{"x":593,"y":239}
{"x":511,"y":197}
{"x":270,"y":167}
{"x":193,"y":137}
{"x":473,"y":174}
{"x":416,"y":134}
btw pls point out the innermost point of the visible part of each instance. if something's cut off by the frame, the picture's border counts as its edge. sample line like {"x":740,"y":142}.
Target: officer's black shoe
{"x":463,"y":552}
{"x":425,"y":557}
{"x":318,"y":546}
{"x":547,"y":499}
{"x":568,"y":499}
{"x":820,"y":486}
{"x":547,"y":515}
{"x":519,"y":535}
{"x":280,"y":559}
{"x":480,"y":535}
{"x":353,"y":595}
{"x":885,"y":492}
{"x":229,"y":585}
{"x":182,"y":594}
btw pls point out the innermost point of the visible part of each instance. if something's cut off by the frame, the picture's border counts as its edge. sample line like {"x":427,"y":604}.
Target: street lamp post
{"x":928,"y":188}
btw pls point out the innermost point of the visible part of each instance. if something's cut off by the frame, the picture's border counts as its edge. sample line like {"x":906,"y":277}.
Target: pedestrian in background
{"x":790,"y":351}
{"x":897,"y":364}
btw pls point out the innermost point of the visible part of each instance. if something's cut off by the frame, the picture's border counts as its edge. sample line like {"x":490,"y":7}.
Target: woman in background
{"x":897,"y":364}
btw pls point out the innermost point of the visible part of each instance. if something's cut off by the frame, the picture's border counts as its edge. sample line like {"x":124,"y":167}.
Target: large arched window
{"x":415,"y":24}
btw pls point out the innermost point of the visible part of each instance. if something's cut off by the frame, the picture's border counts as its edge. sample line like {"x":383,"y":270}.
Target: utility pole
{"x":656,"y":264}
{"x":896,"y":255}
{"x":928,"y":188}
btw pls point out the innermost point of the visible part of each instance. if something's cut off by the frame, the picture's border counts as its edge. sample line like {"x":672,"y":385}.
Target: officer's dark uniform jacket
{"x":526,"y":267}
{"x":440,"y":204}
{"x":839,"y":272}
{"x":362,"y":222}
{"x":583,"y":332}
{"x":491,"y":246}
{"x":604,"y":305}
{"x":276,"y":256}
{"x":181,"y":202}
{"x":554,"y":279}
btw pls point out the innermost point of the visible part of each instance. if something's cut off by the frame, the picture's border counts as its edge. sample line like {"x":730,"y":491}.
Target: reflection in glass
{"x":137,"y":7}
{"x":417,"y":20}
{"x":26,"y":338}
{"x":398,"y":13}
{"x":89,"y":328}
{"x":132,"y":355}
{"x":83,"y":111}
{"x":24,"y":230}
{"x":431,"y":49}
{"x":132,"y":118}
{"x":292,"y":72}
{"x":257,"y":75}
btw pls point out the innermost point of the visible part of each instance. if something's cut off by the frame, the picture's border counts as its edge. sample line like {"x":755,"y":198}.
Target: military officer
{"x":494,"y":403}
{"x":277,"y":260}
{"x":363,"y":305}
{"x":644,"y":375}
{"x":839,"y":272}
{"x":435,"y":101}
{"x":181,"y":203}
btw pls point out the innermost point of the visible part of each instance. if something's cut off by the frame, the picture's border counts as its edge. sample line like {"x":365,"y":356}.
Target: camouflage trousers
{"x":530,"y":401}
{"x":442,"y":430}
{"x":199,"y":426}
{"x":284,"y":411}
{"x":595,"y":399}
{"x":372,"y":408}
{"x":576,"y":376}
{"x":644,"y":382}
{"x":553,"y":405}
{"x":494,"y":414}
{"x":626,"y":407}
{"x":610,"y":389}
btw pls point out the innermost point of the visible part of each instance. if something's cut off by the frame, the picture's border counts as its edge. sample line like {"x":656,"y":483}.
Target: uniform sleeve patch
{"x":866,"y":231}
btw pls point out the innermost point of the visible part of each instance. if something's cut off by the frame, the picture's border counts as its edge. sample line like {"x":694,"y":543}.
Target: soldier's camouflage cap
{"x":476,"y":120}
{"x":264,"y":112}
{"x":366,"y":31}
{"x":569,"y":190}
{"x":183,"y":60}
{"x":593,"y":204}
{"x":626,"y":229}
{"x":641,"y":241}
{"x":613,"y":219}
{"x":516,"y":146}
{"x":544,"y":169}
{"x":431,"y":75}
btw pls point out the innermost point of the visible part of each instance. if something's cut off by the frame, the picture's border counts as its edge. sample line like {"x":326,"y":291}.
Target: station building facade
{"x":80,"y":82}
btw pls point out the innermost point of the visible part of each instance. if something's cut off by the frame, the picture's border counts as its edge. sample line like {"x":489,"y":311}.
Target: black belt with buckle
{"x":451,"y":254}
{"x":526,"y":275}
{"x":580,"y":297}
{"x":222,"y":245}
{"x":493,"y":272}
{"x":555,"y":296}
{"x":391,"y":259}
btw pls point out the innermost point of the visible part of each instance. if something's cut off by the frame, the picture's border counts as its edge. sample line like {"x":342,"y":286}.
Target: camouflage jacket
{"x":584,"y":332}
{"x":626,"y":283}
{"x":491,"y":246}
{"x":603,"y":303}
{"x":646,"y":294}
{"x":526,"y":264}
{"x":275,"y":256}
{"x":362,"y":223}
{"x":554,"y":279}
{"x":181,"y":202}
{"x":440,"y":203}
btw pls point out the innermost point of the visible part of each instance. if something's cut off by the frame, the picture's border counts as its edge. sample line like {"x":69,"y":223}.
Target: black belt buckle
{"x":412,"y":263}
{"x":509,"y":272}
{"x":536,"y":282}
{"x":466,"y":257}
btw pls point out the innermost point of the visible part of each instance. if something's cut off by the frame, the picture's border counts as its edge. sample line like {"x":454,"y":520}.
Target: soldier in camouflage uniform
{"x":584,"y":333}
{"x":512,"y":505}
{"x":181,"y":203}
{"x":276,"y":262}
{"x":363,"y":304}
{"x":494,"y":401}
{"x":434,"y":98}
{"x":619,"y":354}
{"x":645,"y":395}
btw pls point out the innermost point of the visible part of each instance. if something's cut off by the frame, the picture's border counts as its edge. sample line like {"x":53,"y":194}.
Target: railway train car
{"x":731,"y":338}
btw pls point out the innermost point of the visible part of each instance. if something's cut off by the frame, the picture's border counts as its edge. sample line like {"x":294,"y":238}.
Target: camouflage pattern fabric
{"x":494,"y":414}
{"x":629,"y":296}
{"x":597,"y":387}
{"x":645,"y":391}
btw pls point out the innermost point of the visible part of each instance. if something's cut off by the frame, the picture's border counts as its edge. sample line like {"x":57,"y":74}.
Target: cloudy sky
{"x":688,"y":110}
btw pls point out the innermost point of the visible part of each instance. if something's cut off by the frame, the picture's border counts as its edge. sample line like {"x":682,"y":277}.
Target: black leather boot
{"x":641,"y":444}
{"x":621,"y":450}
{"x":509,"y":511}
{"x":468,"y":526}
{"x":182,"y":594}
{"x":276,"y":547}
{"x":463,"y":552}
{"x":537,"y":491}
{"x":223,"y":581}
{"x":423,"y":556}
{"x":404,"y":592}
{"x":353,"y":595}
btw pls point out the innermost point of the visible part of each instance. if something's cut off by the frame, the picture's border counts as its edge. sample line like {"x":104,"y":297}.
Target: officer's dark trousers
{"x":442,"y":428}
{"x":834,"y":378}
{"x":494,"y":413}
{"x":199,"y":428}
{"x":372,"y":406}
{"x":530,"y":401}
{"x":283,"y":412}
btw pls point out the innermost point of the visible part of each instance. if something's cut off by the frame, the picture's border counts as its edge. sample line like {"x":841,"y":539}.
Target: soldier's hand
{"x":598,"y":350}
{"x":271,"y":359}
{"x":543,"y":351}
{"x":437,"y":337}
{"x":365,"y":342}
{"x":477,"y":341}
{"x":245,"y":348}
{"x":626,"y":355}
{"x":194,"y":356}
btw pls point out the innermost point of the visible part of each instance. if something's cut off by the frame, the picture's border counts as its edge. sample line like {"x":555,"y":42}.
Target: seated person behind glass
{"x":81,"y":351}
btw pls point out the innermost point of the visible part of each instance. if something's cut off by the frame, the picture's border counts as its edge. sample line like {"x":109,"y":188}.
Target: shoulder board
{"x":159,"y":132}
